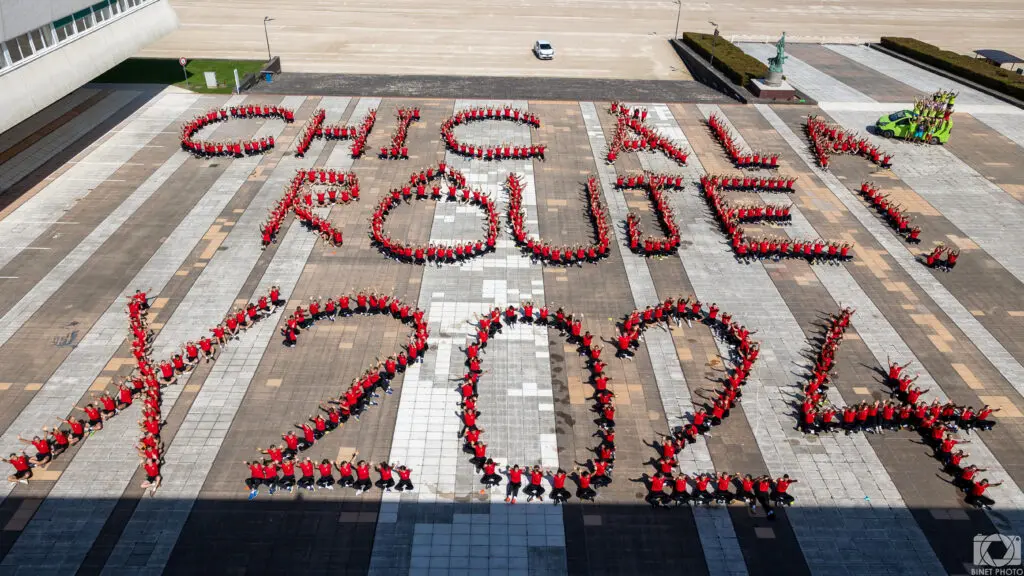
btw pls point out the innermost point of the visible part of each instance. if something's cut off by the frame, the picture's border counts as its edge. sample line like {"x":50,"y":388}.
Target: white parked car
{"x":542,"y":49}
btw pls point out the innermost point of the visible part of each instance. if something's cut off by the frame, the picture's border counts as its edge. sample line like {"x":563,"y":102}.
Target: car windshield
{"x":544,"y":46}
{"x":897,"y":116}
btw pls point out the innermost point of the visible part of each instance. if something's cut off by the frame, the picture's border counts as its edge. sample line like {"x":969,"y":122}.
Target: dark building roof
{"x":999,"y":57}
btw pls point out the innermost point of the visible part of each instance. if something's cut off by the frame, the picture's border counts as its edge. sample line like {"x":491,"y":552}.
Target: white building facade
{"x":48,"y":48}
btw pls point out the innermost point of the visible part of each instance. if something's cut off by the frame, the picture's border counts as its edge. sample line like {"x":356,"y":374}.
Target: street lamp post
{"x":267,"y":36}
{"x":679,"y":13}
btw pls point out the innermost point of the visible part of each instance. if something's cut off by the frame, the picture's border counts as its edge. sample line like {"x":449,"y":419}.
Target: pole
{"x":714,"y":42}
{"x":267,"y":36}
{"x":678,"y":14}
{"x":185,"y":72}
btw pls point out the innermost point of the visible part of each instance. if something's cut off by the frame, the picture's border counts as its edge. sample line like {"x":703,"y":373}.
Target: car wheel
{"x":887,"y":133}
{"x":935,"y":140}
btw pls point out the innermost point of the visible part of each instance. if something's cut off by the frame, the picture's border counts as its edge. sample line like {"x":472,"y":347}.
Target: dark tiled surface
{"x":495,"y":87}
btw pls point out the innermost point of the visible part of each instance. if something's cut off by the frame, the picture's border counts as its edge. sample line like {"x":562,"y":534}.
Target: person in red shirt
{"x":270,"y":476}
{"x":255,"y":479}
{"x":58,"y":440}
{"x":722,"y":493}
{"x":982,"y":421}
{"x":326,"y":470}
{"x":535,"y":489}
{"x":559,"y":495}
{"x":287,"y":480}
{"x":746,"y":492}
{"x":479,"y":454}
{"x":491,"y":476}
{"x":515,"y":481}
{"x":583,"y":489}
{"x":308,"y":436}
{"x":387,"y":480}
{"x":468,"y":418}
{"x":77,"y":429}
{"x":94,"y":418}
{"x":781,"y":495}
{"x":363,"y":482}
{"x":307,"y":467}
{"x":404,"y":478}
{"x":291,"y":442}
{"x":976,"y":494}
{"x":153,"y":477}
{"x":22,"y":467}
{"x":43,"y":453}
{"x":701,"y":495}
{"x":656,"y":496}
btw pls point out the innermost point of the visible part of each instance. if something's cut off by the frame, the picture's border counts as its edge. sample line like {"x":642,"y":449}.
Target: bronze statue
{"x":775,"y":63}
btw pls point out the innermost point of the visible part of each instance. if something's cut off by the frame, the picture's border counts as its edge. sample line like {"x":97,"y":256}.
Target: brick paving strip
{"x":21,"y":160}
{"x":43,"y":290}
{"x":827,"y":483}
{"x":522,"y":88}
{"x":103,"y":467}
{"x":884,"y":342}
{"x":519,"y":419}
{"x":717,"y":534}
{"x":56,"y":126}
{"x":1003,"y":361}
{"x":23,"y":226}
{"x":28,"y":129}
{"x":157,"y":522}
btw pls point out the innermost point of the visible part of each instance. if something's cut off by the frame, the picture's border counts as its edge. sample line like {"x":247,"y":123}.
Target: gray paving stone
{"x":29,"y":220}
{"x":713,"y":524}
{"x":221,"y":395}
{"x":53,"y":143}
{"x":884,"y":342}
{"x":1003,"y":361}
{"x":518,"y":429}
{"x":749,"y":294}
{"x":806,"y":78}
{"x":913,"y":76}
{"x":981,"y":210}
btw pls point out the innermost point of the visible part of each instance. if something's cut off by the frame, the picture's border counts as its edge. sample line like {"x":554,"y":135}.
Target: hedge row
{"x":736,"y":64}
{"x":999,"y":79}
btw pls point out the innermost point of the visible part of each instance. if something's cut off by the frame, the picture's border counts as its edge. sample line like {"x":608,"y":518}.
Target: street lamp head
{"x":268,"y":19}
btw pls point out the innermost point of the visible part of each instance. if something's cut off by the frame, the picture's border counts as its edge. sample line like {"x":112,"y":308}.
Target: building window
{"x":41,"y":38}
{"x":12,"y":50}
{"x":25,"y":45}
{"x":117,"y":6}
{"x":65,"y":28}
{"x":101,"y":11}
{"x":83,"y":20}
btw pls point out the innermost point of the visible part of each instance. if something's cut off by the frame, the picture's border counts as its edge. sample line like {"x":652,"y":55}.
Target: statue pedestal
{"x":762,"y":89}
{"x":774,"y":79}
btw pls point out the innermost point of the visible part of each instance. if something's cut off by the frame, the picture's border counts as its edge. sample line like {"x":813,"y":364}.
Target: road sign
{"x":182,"y":61}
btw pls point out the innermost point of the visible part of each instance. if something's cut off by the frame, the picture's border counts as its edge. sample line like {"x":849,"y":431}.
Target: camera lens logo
{"x":997,"y":550}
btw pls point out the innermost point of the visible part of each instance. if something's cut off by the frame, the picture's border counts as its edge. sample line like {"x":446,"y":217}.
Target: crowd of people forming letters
{"x":284,"y":466}
{"x":937,"y":422}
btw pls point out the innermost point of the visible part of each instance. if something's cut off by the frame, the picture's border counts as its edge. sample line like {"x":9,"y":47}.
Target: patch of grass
{"x":730,"y":60}
{"x":168,"y":71}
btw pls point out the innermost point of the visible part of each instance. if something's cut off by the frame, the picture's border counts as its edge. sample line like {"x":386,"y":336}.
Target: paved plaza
{"x":97,"y":200}
{"x":624,"y":39}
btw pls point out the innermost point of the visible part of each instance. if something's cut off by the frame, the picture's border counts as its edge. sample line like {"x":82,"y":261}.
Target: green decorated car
{"x":904,"y":124}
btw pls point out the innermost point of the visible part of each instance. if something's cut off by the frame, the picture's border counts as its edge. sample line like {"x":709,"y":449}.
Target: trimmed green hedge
{"x":736,"y":64}
{"x":1005,"y":81}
